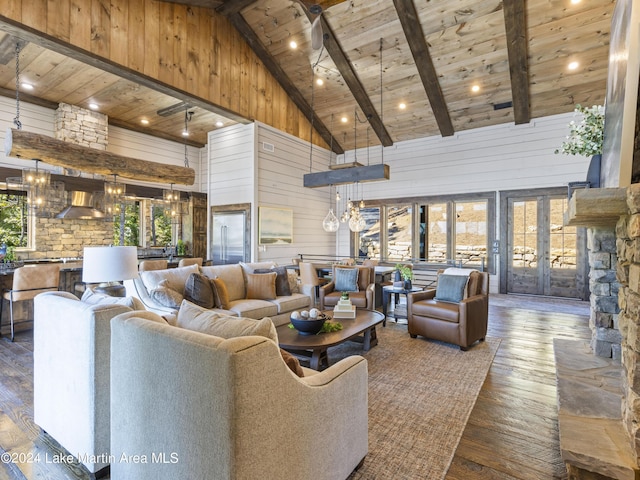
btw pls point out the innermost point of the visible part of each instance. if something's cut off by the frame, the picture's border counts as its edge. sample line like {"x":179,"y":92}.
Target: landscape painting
{"x":275,"y":226}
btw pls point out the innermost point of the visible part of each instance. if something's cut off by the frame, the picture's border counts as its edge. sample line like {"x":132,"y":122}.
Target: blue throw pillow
{"x":346,"y":280}
{"x":451,"y":288}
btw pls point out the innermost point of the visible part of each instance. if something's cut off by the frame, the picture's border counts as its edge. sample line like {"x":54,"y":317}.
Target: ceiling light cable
{"x":16,"y":120}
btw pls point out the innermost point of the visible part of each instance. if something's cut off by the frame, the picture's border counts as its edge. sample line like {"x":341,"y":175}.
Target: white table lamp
{"x":108,"y":266}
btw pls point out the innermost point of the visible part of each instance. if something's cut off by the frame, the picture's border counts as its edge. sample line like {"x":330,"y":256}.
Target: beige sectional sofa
{"x":152,"y":287}
{"x":229,"y":408}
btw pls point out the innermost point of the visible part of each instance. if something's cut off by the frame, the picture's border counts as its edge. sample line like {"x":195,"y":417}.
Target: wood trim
{"x":420,"y":50}
{"x":278,"y":73}
{"x":516,"y":27}
{"x":353,"y":82}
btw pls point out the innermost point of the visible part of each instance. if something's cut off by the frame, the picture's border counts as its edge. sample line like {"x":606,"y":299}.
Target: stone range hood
{"x":81,"y":207}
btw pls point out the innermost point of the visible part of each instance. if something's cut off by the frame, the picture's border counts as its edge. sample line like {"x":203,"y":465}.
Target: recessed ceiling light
{"x":185,"y":133}
{"x":402,"y":106}
{"x":573,"y":65}
{"x":344,"y":119}
{"x":144,"y":121}
{"x":26,"y":86}
{"x":94,"y":106}
{"x":293,"y":44}
{"x":219,"y":124}
{"x":320,"y":82}
{"x":575,"y":1}
{"x":475,"y":88}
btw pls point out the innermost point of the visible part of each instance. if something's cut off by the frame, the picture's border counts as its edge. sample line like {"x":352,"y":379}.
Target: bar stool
{"x":309,"y":278}
{"x":185,"y":262}
{"x":146,"y":265}
{"x":28,"y":282}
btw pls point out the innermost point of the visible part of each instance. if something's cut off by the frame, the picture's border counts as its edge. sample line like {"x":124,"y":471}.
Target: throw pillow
{"x":346,"y":280}
{"x":450,"y":288}
{"x":92,"y":298}
{"x":198,"y":290}
{"x":282,"y":280}
{"x":293,"y":282}
{"x":220,"y":292}
{"x":292,"y":362}
{"x":166,"y":296}
{"x":176,"y":277}
{"x":251,"y":267}
{"x":196,"y":318}
{"x":261,"y":286}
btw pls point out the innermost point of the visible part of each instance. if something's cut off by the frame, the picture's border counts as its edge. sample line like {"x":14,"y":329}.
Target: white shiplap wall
{"x":280,"y":183}
{"x":496,"y":158}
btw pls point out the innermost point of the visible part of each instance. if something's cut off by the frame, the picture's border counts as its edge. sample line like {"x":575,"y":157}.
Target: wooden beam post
{"x":369,"y":173}
{"x":33,"y":146}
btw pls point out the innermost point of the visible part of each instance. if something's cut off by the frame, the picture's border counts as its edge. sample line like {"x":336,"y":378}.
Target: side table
{"x":397,"y":313}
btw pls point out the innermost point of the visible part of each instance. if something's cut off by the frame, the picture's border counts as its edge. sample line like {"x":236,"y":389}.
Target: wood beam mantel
{"x":422,"y":58}
{"x":33,"y":146}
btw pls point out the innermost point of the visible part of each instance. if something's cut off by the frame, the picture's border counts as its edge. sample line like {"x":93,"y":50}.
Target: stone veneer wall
{"x":80,"y":126}
{"x":628,"y":273}
{"x":603,"y":286}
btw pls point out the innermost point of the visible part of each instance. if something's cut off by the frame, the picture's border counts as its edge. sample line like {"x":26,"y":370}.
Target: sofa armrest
{"x":343,"y":367}
{"x":324,"y":290}
{"x":418,"y":296}
{"x":135,"y":288}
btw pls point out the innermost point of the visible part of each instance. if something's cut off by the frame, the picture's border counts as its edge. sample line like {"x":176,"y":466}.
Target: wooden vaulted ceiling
{"x":377,"y":54}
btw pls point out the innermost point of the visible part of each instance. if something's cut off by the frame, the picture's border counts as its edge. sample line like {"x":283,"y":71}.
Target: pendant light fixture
{"x":330,"y":222}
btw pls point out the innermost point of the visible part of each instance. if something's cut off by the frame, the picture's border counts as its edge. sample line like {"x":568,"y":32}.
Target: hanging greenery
{"x":586,"y":137}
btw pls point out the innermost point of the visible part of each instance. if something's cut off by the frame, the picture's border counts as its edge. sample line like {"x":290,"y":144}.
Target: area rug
{"x":421,"y":393}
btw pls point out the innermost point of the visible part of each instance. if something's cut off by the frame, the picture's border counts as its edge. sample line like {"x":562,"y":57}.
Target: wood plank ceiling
{"x":426,"y":55}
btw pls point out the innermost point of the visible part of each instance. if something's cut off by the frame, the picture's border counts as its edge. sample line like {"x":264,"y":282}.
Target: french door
{"x":542,"y":256}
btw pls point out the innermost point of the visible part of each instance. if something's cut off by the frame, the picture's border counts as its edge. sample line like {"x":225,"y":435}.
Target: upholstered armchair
{"x":455,"y":312}
{"x":359,"y":281}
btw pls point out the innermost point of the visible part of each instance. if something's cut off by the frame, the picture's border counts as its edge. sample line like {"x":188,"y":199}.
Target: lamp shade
{"x":109,"y":264}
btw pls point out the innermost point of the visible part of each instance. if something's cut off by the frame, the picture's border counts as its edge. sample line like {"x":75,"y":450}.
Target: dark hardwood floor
{"x":512,"y":432}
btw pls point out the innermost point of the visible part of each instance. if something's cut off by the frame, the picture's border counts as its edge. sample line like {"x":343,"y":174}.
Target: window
{"x":471,"y":232}
{"x":160,"y":226}
{"x":563,"y":240}
{"x":433,"y":232}
{"x":13,"y":219}
{"x":370,"y":237}
{"x":126,"y":225}
{"x":399,"y":241}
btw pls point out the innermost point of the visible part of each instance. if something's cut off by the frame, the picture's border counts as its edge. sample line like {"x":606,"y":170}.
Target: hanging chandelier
{"x":330,"y":222}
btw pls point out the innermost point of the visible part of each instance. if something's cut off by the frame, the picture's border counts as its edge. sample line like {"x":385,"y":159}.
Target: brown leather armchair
{"x":460,"y":323}
{"x":363,"y":298}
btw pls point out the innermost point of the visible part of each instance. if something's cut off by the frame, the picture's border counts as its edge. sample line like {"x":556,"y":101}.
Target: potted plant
{"x":406,"y":273}
{"x":586,"y":137}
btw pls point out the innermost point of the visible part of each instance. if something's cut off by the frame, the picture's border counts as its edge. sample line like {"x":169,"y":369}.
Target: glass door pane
{"x":399,"y":237}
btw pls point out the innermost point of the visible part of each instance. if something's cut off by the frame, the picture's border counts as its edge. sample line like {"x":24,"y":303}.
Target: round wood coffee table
{"x":314,"y":347}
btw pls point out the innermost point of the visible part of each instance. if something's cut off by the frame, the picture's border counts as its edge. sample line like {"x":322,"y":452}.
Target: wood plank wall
{"x":190,"y":48}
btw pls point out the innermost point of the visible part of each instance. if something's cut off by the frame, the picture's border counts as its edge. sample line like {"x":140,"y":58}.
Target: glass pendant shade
{"x":330,"y":222}
{"x":357,"y":222}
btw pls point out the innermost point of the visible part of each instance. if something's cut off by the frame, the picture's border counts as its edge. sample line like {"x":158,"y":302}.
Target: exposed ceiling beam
{"x":353,"y":82}
{"x":422,"y":58}
{"x":516,"y":26}
{"x":231,"y":7}
{"x":274,"y":68}
{"x":51,"y":43}
{"x":198,"y":3}
{"x":8,"y":48}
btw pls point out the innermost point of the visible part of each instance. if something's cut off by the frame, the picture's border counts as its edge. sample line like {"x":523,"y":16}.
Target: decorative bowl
{"x":309,"y":326}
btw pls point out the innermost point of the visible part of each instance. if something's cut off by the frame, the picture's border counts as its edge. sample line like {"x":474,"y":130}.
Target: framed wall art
{"x":275,"y":226}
